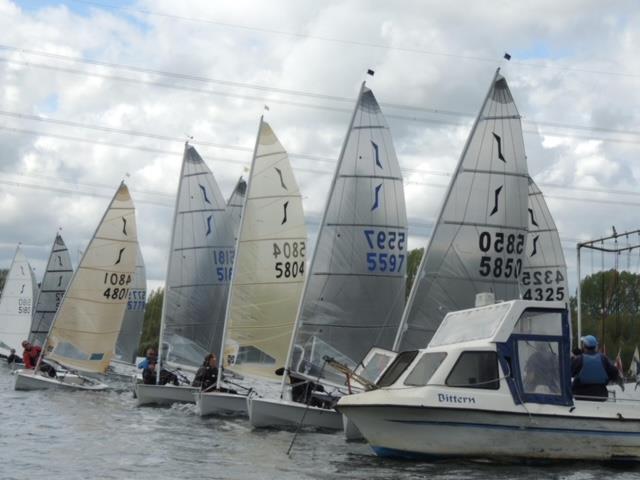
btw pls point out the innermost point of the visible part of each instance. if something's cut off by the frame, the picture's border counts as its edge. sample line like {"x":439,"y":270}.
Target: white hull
{"x":434,"y":433}
{"x":163,"y":394}
{"x":220,"y":403}
{"x":351,"y":432}
{"x":282,"y":413}
{"x":29,"y":380}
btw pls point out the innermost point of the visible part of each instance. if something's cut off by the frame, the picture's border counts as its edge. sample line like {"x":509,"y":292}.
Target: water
{"x":81,"y":435}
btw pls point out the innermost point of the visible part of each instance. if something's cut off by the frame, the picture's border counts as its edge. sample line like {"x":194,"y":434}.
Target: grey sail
{"x":479,"y":240}
{"x":234,"y":208}
{"x":52,"y":288}
{"x":544,"y":271}
{"x":129,"y":337}
{"x":199,"y":269}
{"x":355,"y":290}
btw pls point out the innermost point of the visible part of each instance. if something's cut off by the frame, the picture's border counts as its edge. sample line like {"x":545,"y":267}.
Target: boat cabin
{"x":521,"y":348}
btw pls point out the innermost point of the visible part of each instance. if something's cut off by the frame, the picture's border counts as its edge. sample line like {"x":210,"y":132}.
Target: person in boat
{"x":150,"y":357}
{"x":30,"y":356}
{"x":538,"y":377}
{"x":592,"y":371}
{"x":13,"y":359}
{"x":207,"y":375}
{"x":304,"y":390}
{"x":149,"y":376}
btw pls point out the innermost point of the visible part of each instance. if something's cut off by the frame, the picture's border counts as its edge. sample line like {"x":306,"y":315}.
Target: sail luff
{"x":414,"y":287}
{"x":234,"y":270}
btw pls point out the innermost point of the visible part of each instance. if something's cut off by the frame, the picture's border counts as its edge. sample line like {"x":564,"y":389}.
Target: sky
{"x":97,"y":91}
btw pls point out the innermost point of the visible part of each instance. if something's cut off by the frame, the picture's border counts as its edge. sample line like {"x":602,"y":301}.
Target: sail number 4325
{"x":392,"y":243}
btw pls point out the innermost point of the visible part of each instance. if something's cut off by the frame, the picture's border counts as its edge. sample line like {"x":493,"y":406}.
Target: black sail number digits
{"x":501,"y":252}
{"x":117,"y":285}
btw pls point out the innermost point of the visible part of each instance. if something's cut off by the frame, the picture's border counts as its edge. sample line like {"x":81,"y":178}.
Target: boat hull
{"x":351,"y":432}
{"x":163,"y":394}
{"x":428,"y":432}
{"x":265,"y":413}
{"x":30,"y":380}
{"x":221,"y":403}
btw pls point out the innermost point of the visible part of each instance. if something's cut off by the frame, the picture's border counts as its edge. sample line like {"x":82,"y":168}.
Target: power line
{"x":492,"y":60}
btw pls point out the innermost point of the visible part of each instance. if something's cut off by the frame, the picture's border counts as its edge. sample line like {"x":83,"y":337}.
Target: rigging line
{"x":492,"y":60}
{"x":532,"y":122}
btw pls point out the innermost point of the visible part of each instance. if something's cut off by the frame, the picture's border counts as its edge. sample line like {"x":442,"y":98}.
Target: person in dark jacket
{"x":207,"y":375}
{"x":592,"y":371}
{"x":149,"y":376}
{"x":13,"y":358}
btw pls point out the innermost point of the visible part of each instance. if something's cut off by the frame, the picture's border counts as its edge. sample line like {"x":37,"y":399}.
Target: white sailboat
{"x":267,"y":278}
{"x":355,"y":288}
{"x":478,"y":242}
{"x":16,"y":303}
{"x":198,"y":274}
{"x":85,"y":328}
{"x":54,"y":283}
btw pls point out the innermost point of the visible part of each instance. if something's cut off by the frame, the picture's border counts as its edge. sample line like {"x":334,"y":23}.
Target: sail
{"x":199,"y":269}
{"x":544,"y":270}
{"x":127,"y":343}
{"x":233,"y":211}
{"x":355,"y":290}
{"x":54,"y":284}
{"x":16,"y":304}
{"x":269,"y":268}
{"x":478,"y":242}
{"x":85,"y":329}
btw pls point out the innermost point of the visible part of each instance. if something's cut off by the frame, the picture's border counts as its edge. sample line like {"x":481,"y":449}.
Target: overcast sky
{"x":94,"y":91}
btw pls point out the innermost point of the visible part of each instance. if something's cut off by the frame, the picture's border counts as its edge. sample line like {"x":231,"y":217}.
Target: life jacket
{"x":593,"y":371}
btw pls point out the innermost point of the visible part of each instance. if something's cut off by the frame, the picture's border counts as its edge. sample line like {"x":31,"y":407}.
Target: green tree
{"x":3,"y":277}
{"x":151,"y":325}
{"x":413,"y":262}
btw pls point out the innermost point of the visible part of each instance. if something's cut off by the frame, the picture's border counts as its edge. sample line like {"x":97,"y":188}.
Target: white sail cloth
{"x":16,"y":304}
{"x":87,"y":324}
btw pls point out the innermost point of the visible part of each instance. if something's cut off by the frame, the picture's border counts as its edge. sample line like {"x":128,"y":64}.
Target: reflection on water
{"x":83,"y":435}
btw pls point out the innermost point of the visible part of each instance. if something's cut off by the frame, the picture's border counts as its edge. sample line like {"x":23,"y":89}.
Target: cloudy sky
{"x":93,"y":91}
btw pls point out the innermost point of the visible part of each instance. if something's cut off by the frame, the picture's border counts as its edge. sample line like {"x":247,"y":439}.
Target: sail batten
{"x":478,"y":241}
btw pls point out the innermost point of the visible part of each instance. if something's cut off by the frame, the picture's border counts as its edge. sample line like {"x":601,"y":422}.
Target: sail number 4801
{"x":116,"y":285}
{"x":390,"y":260}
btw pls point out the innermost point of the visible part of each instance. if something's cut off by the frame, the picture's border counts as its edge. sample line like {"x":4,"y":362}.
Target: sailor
{"x":207,"y":375}
{"x":13,"y":358}
{"x":149,"y":375}
{"x":592,"y":371}
{"x":151,"y":356}
{"x":30,"y":357}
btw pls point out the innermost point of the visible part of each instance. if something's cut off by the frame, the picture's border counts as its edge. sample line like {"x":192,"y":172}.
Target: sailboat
{"x":544,"y":270}
{"x":84,"y":330}
{"x":123,"y":361}
{"x":16,"y":303}
{"x":198,"y":274}
{"x":267,"y":278}
{"x":478,"y":242}
{"x":355,"y":288}
{"x":54,"y":283}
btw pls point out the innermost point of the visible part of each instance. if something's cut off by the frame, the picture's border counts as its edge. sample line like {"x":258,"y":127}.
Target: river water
{"x":83,"y":435}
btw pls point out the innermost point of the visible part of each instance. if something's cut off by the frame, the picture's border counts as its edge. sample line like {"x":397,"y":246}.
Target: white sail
{"x":54,"y":283}
{"x":129,"y":338}
{"x":16,"y":303}
{"x":544,"y":271}
{"x":269,"y":268}
{"x":479,"y":240}
{"x":199,"y":269}
{"x":355,"y":289}
{"x":87,"y":324}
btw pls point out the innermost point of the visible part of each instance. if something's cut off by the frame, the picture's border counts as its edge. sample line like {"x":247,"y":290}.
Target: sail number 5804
{"x":292,"y":259}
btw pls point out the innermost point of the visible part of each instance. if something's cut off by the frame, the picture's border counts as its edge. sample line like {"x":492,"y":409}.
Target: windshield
{"x":470,"y":325}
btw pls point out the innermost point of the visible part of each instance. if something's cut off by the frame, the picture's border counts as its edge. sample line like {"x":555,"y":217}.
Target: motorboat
{"x":493,"y":383}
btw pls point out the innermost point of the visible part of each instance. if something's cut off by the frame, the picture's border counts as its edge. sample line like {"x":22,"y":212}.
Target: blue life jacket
{"x":593,"y":371}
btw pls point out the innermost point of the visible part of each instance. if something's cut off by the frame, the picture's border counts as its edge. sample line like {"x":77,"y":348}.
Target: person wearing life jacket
{"x":150,"y":357}
{"x":592,"y":371}
{"x":207,"y":375}
{"x":30,"y":357}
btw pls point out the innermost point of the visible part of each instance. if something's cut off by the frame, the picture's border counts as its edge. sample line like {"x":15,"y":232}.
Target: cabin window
{"x":398,"y":366}
{"x":425,"y":368}
{"x":540,"y":366}
{"x":539,"y":322}
{"x":475,"y":370}
{"x":374,"y":366}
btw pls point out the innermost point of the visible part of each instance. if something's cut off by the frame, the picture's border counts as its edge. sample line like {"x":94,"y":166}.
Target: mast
{"x":315,"y":250}
{"x":166,"y":281}
{"x":235,"y":257}
{"x":416,"y":282}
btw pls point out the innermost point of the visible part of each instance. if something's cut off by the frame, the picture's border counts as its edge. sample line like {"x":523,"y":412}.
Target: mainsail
{"x":269,"y":268}
{"x":199,"y":269}
{"x":355,"y":289}
{"x":54,"y":283}
{"x":85,"y":328}
{"x":127,"y":344}
{"x":16,"y":303}
{"x":479,"y":240}
{"x":544,"y":270}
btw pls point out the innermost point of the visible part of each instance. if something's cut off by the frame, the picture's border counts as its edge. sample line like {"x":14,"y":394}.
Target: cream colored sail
{"x":86,"y":327}
{"x":269,"y":267}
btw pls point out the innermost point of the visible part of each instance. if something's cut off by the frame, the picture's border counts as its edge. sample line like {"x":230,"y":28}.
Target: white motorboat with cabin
{"x":493,"y":383}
